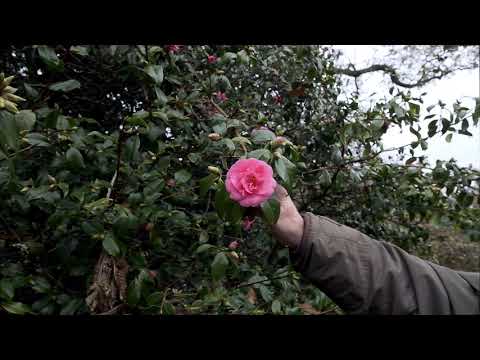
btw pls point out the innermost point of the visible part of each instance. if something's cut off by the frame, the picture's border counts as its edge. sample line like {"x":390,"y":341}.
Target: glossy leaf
{"x":271,"y":210}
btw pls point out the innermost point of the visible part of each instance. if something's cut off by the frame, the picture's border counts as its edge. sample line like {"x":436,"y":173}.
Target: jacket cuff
{"x":299,"y":254}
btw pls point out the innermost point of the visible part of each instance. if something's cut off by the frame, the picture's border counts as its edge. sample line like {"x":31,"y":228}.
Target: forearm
{"x":363,"y":275}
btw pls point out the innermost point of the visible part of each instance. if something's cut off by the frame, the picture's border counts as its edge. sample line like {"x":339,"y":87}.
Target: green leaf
{"x":220,"y":128}
{"x":64,"y":123}
{"x":40,"y":285}
{"x":203,"y":237}
{"x":424,"y":145}
{"x":464,"y":124}
{"x":30,"y":91}
{"x":125,"y":227}
{"x":75,"y":158}
{"x":79,"y":50}
{"x":271,"y":210}
{"x":134,"y":290}
{"x":276,"y":307}
{"x":8,"y":130}
{"x":448,"y":138}
{"x":155,"y":72}
{"x":51,"y":119}
{"x":243,"y":57}
{"x":219,"y":266}
{"x":65,"y":86}
{"x":378,"y":124}
{"x":261,"y":136}
{"x":16,"y":308}
{"x":132,"y":147}
{"x":233,"y":211}
{"x":206,"y":183}
{"x":266,"y":293}
{"x":415,"y":132}
{"x":71,"y":307}
{"x":221,"y":200}
{"x":154,"y":188}
{"x":25,"y":120}
{"x":161,"y":97}
{"x":241,"y":140}
{"x":37,"y":139}
{"x":7,"y":291}
{"x":476,"y":113}
{"x":194,"y":157}
{"x":465,"y":132}
{"x":182,"y":176}
{"x":204,"y":247}
{"x":110,"y":245}
{"x":260,"y":154}
{"x":281,"y":168}
{"x":411,"y":160}
{"x":325,"y":178}
{"x":414,"y":108}
{"x":49,"y":57}
{"x":229,"y":144}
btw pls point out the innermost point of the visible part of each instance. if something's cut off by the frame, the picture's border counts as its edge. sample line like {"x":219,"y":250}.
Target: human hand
{"x":288,"y":230}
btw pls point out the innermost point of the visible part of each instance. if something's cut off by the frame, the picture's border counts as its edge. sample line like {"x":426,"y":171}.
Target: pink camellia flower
{"x":247,"y":223}
{"x":221,"y":97}
{"x":211,"y":59}
{"x":174,"y":48}
{"x":233,"y":245}
{"x":250,"y":182}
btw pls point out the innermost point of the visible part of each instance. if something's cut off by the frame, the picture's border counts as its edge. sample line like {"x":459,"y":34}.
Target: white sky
{"x":462,"y":85}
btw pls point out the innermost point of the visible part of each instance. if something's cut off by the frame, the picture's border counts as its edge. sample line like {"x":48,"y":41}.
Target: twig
{"x":21,"y":151}
{"x":163,"y":300}
{"x":262,"y":281}
{"x":218,"y":108}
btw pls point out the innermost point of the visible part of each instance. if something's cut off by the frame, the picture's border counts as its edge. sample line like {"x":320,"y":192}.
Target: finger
{"x":280,"y":193}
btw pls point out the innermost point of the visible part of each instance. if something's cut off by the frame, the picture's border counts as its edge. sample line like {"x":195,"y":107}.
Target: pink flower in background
{"x":221,"y":97}
{"x":247,"y":223}
{"x":250,"y":182}
{"x":211,"y":59}
{"x":280,"y":140}
{"x":174,"y":48}
{"x":233,"y":245}
{"x":278,"y":99}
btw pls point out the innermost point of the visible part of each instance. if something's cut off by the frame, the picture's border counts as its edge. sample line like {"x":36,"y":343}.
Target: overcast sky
{"x":462,"y":85}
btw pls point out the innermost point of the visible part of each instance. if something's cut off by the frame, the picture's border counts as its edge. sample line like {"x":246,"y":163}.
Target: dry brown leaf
{"x":309,"y":309}
{"x":252,"y":296}
{"x":299,"y":91}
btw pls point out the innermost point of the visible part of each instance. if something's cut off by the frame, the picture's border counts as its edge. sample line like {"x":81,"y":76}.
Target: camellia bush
{"x":113,"y":163}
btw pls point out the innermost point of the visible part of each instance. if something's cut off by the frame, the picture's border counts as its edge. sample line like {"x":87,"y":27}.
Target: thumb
{"x":280,"y":194}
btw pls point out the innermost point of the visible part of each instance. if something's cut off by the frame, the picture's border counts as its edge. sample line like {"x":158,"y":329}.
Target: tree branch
{"x":393,"y":74}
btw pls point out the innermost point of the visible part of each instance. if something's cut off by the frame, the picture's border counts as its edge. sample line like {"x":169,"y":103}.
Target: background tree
{"x":111,"y":175}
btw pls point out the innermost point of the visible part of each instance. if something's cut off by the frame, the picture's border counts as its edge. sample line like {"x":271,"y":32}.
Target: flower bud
{"x":149,"y":227}
{"x":51,"y":179}
{"x":214,"y":136}
{"x":233,"y":245}
{"x":214,"y":170}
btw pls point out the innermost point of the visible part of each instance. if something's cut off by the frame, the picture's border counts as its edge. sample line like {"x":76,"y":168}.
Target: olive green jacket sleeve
{"x":365,"y":276}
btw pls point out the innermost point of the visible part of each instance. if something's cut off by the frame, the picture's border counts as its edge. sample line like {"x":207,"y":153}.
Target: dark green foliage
{"x":111,"y":151}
